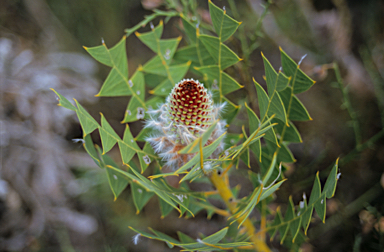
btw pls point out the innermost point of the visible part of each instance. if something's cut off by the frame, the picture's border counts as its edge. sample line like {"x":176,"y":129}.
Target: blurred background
{"x":54,"y":198}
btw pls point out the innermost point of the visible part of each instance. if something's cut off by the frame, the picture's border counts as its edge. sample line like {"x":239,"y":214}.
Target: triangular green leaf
{"x":300,"y":81}
{"x":140,"y":196}
{"x":128,"y":147}
{"x":88,"y":124}
{"x":64,"y":102}
{"x":108,"y":136}
{"x":224,"y":25}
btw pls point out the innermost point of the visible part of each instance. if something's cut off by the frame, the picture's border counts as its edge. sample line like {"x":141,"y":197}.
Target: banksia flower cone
{"x":186,"y":114}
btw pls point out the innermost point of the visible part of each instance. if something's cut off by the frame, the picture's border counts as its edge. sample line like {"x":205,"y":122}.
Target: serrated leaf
{"x":316,"y":190}
{"x":152,"y":38}
{"x":86,"y":120}
{"x":295,"y":224}
{"x":115,"y":85}
{"x":170,"y":241}
{"x":222,"y":81}
{"x":64,"y":101}
{"x":135,"y":111}
{"x":90,"y":149}
{"x":140,"y":196}
{"x":128,"y":147}
{"x":187,"y":53}
{"x":108,"y":136}
{"x":101,"y":54}
{"x":223,"y":56}
{"x":150,"y":186}
{"x":176,"y":73}
{"x":306,"y":218}
{"x":216,"y":237}
{"x":185,"y":238}
{"x":330,"y":184}
{"x":189,"y":29}
{"x":116,"y":180}
{"x":165,"y":208}
{"x":276,"y":223}
{"x":263,"y":100}
{"x":283,"y":228}
{"x":224,"y":25}
{"x":295,"y":109}
{"x":155,"y":66}
{"x":152,"y":80}
{"x":145,"y":158}
{"x":291,"y":134}
{"x":284,"y":155}
{"x":277,"y":108}
{"x":275,"y":81}
{"x":320,"y":207}
{"x":300,"y":81}
{"x":116,"y":82}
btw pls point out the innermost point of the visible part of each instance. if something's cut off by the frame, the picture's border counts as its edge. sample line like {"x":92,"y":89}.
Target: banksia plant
{"x":187,"y":113}
{"x":185,"y":134}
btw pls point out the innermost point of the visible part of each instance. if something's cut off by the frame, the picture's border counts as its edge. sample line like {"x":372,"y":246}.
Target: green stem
{"x":348,"y":105}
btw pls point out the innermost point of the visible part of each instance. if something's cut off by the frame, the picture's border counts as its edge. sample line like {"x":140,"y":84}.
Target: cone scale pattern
{"x":186,"y":114}
{"x":191,"y":105}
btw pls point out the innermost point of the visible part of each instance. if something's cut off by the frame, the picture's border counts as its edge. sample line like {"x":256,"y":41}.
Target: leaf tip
{"x":151,"y":91}
{"x":86,"y":48}
{"x":281,"y":50}
{"x":137,"y":34}
{"x":262,"y":54}
{"x":137,"y":211}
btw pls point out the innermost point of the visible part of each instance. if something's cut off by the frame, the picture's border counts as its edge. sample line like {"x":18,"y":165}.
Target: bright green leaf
{"x":108,"y":136}
{"x":224,"y":25}
{"x":88,"y":124}
{"x":64,"y":102}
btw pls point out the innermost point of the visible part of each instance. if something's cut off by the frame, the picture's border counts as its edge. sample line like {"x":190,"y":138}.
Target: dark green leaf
{"x":300,"y":81}
{"x":295,"y":109}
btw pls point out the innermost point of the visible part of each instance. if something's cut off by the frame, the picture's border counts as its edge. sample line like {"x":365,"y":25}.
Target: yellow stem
{"x":229,"y":199}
